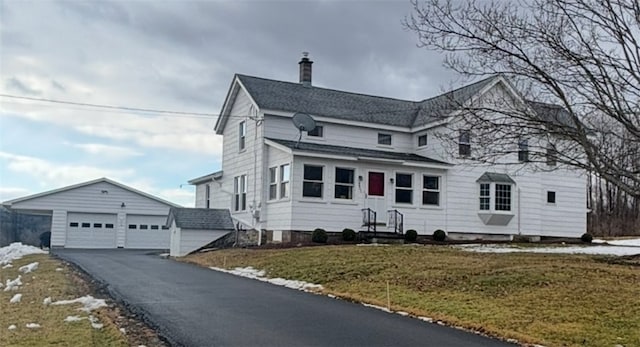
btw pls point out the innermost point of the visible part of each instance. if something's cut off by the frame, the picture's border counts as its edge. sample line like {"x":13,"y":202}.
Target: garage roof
{"x":201,"y":218}
{"x":103,"y":179}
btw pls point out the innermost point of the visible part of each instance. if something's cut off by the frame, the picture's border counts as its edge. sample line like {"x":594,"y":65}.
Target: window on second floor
{"x":551,"y":197}
{"x":523,"y":150}
{"x":464,"y":143}
{"x":318,"y":131}
{"x":552,"y":156}
{"x":384,"y":139}
{"x":242,"y":134}
{"x":422,"y":140}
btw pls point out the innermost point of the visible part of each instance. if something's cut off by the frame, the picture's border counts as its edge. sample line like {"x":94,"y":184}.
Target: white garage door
{"x":146,"y":232}
{"x":91,"y":230}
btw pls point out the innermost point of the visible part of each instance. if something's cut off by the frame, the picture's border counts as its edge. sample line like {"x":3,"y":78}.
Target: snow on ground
{"x":95,"y":323}
{"x":28,"y":268}
{"x":74,"y":319}
{"x":15,"y":251}
{"x":13,"y":284}
{"x":47,"y":301}
{"x":621,"y":242}
{"x":371,"y":245}
{"x":600,"y":249}
{"x":12,"y":327}
{"x":255,"y":274}
{"x":33,"y":325}
{"x":7,"y":266}
{"x":89,"y":303}
{"x":16,"y":299}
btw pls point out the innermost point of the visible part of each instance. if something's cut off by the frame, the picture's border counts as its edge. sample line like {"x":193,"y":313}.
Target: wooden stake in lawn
{"x":388,"y":298}
{"x":224,"y":262}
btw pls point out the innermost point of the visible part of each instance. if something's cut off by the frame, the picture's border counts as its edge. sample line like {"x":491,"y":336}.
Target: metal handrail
{"x":397,"y":220}
{"x":366,"y":219}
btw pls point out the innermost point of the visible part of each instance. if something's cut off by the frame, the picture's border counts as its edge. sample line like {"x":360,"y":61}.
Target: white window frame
{"x":350,"y":186}
{"x":242,"y":136}
{"x":497,"y":199}
{"x":311,"y":181}
{"x":207,"y":196}
{"x":285,"y":186}
{"x":273,"y":183}
{"x":426,"y":140}
{"x":410,"y":189}
{"x":240,"y":193}
{"x":464,"y":141}
{"x":426,"y":190}
{"x":523,"y":150}
{"x":485,"y":199}
{"x":317,"y":132}
{"x":390,"y":139}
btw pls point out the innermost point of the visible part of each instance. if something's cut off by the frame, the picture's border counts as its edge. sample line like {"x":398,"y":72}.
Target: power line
{"x":109,"y":106}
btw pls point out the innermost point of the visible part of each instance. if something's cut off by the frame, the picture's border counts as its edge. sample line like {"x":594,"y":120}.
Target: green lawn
{"x":59,"y":285}
{"x":554,"y":300}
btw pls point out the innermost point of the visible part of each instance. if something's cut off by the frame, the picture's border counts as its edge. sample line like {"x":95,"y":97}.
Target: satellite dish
{"x":303,"y":122}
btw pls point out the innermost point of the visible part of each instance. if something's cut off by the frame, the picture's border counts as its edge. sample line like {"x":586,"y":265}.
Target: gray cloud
{"x":15,"y":84}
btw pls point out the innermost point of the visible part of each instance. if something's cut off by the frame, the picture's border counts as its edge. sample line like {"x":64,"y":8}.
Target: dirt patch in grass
{"x":550,"y":299}
{"x":61,"y":281}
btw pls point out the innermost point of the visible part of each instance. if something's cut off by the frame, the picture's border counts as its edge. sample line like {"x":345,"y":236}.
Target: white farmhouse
{"x":371,"y":155}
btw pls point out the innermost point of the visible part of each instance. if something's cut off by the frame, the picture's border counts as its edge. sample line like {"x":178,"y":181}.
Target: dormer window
{"x":422,"y":140}
{"x":242,"y":134}
{"x":384,"y":139}
{"x":318,"y":131}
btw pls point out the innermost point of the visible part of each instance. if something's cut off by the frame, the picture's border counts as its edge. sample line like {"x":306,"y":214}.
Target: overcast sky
{"x":179,"y":56}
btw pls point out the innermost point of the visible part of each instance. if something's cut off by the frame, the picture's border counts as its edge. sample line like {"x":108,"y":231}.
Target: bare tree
{"x":576,"y":64}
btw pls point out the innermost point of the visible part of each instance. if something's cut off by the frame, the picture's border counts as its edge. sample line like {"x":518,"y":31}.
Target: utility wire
{"x":109,"y":106}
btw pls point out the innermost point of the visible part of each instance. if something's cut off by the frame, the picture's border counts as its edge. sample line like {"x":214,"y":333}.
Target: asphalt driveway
{"x":195,"y":306}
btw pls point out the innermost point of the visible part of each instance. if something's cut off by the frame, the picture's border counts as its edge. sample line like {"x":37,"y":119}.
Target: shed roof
{"x":356,"y":152}
{"x":201,"y":218}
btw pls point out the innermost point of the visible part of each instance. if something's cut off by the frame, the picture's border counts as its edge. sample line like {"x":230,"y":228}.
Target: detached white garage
{"x":101,"y":214}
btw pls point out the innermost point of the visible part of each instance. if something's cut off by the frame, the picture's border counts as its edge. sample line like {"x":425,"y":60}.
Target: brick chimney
{"x":305,"y":69}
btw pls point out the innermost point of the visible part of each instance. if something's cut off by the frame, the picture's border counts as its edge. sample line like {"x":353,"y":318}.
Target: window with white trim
{"x":422,"y":140}
{"x":485,"y":196}
{"x":240,"y":193}
{"x":318,"y":131}
{"x":551,"y":197}
{"x":242,"y":134}
{"x":404,"y":188}
{"x":312,"y":183}
{"x":207,"y":194}
{"x":285,"y":173}
{"x":464,"y":143}
{"x":384,"y":139}
{"x":273,"y":183}
{"x":503,"y":197}
{"x":344,"y":183}
{"x":523,"y":150}
{"x":430,"y":190}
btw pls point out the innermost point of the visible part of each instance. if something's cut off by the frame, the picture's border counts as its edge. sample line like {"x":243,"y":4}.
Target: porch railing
{"x":396,"y":221}
{"x":369,"y":219}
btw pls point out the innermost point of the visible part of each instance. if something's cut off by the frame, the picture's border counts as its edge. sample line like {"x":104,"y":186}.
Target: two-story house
{"x":375,"y":154}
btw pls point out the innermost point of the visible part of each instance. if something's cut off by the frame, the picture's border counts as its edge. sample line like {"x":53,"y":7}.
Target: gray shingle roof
{"x":551,"y":114}
{"x":295,"y":97}
{"x":495,"y":177}
{"x":357,"y":152}
{"x":201,"y":218}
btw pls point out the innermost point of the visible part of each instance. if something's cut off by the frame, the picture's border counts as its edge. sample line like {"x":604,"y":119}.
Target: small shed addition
{"x":192,"y":228}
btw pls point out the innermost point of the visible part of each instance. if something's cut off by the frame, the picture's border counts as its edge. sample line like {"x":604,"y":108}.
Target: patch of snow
{"x":95,"y":323}
{"x":28,"y":268}
{"x":89,"y":303}
{"x":377,"y":307}
{"x":621,"y":242}
{"x":402,"y":313}
{"x":33,"y":325}
{"x":331,"y":296}
{"x":59,"y":269}
{"x":601,"y":250}
{"x":372,"y":245}
{"x":16,"y":299}
{"x":250,"y":272}
{"x":13,"y":285}
{"x":426,"y":319}
{"x":47,"y":301}
{"x":123,"y":331}
{"x":16,"y":251}
{"x":74,"y":319}
{"x":7,"y":266}
{"x":13,"y":327}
